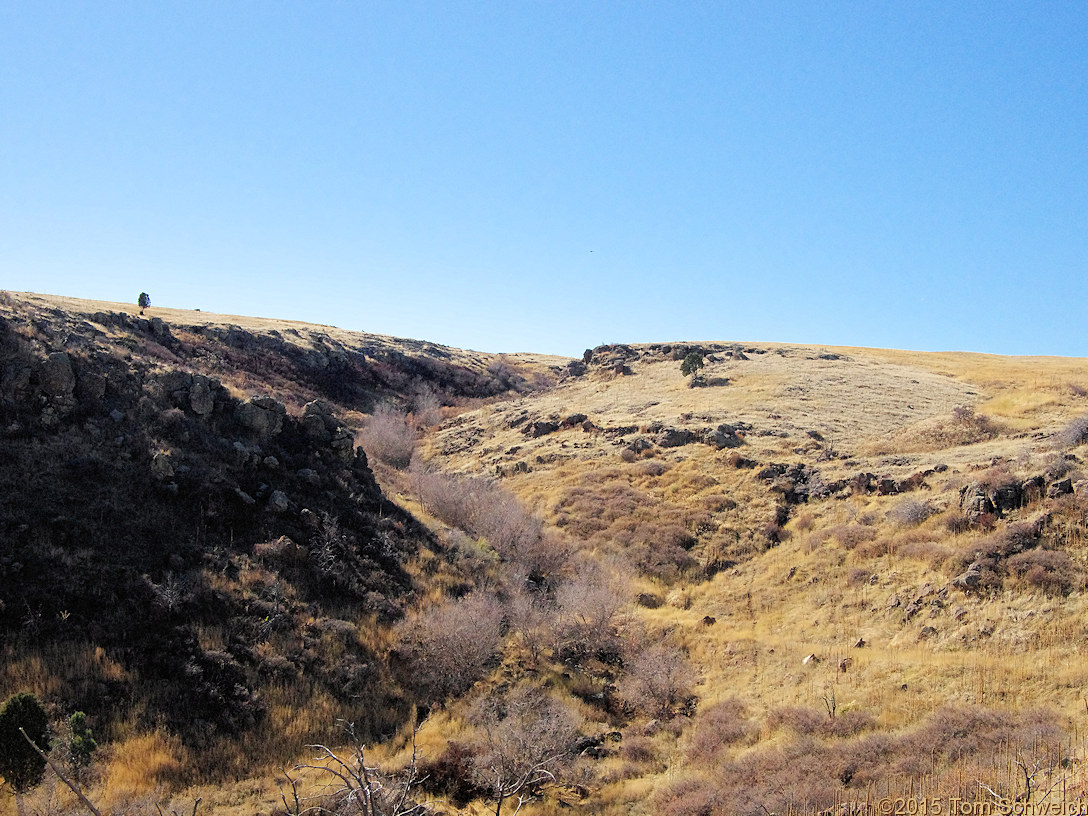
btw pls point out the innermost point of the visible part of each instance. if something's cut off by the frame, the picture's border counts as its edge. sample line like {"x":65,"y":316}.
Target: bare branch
{"x":74,"y":788}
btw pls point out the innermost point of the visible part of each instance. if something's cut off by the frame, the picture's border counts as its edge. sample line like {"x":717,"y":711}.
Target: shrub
{"x":910,"y":512}
{"x":658,"y":681}
{"x":1073,"y":434}
{"x":717,"y":726}
{"x":638,"y":749}
{"x":451,"y":775}
{"x":588,"y":608}
{"x":1053,"y":571}
{"x":447,"y":648}
{"x":528,"y":739}
{"x":82,"y":744}
{"x":389,"y":437}
{"x":20,"y":765}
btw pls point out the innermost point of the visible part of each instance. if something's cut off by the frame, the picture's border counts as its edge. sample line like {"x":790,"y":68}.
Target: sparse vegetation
{"x":849,"y":575}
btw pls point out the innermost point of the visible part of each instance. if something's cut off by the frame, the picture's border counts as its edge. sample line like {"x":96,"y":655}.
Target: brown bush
{"x":1052,"y":571}
{"x":452,"y":775}
{"x":447,"y":648}
{"x":389,"y":437}
{"x":527,"y":739}
{"x":638,"y":749}
{"x":851,"y":535}
{"x":811,"y":722}
{"x":1073,"y":434}
{"x":717,"y":726}
{"x":910,"y":512}
{"x":587,"y":612}
{"x":658,"y":682}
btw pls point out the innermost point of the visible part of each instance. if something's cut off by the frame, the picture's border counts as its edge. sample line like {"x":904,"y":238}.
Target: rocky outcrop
{"x":56,"y":378}
{"x":1060,"y":488}
{"x":541,"y":428}
{"x":202,"y":395}
{"x":675,"y":438}
{"x":724,"y":436}
{"x":262,"y":415}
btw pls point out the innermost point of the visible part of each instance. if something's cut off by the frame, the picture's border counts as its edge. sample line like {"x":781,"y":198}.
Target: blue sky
{"x":548,"y":176}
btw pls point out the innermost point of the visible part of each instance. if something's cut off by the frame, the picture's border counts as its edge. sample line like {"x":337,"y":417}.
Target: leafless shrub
{"x":1053,"y":571}
{"x":638,"y":749}
{"x":389,"y":436}
{"x":426,"y":409}
{"x":1073,"y":434}
{"x":910,"y":512}
{"x":528,"y":738}
{"x":828,"y":723}
{"x":447,"y":648}
{"x":658,"y":682}
{"x":857,"y":577}
{"x":351,"y":787}
{"x":851,"y":535}
{"x":448,"y":496}
{"x":1078,"y":390}
{"x":531,"y":614}
{"x":588,"y":612}
{"x":452,"y":775}
{"x":954,"y":733}
{"x":653,"y":468}
{"x":484,"y":509}
{"x":717,"y":726}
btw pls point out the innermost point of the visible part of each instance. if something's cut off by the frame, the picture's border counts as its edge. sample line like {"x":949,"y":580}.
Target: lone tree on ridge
{"x":692,"y":363}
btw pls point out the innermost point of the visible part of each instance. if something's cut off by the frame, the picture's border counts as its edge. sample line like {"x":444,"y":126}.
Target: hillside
{"x":803,"y":577}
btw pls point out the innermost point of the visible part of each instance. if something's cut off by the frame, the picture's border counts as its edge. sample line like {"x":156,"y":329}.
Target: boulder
{"x":1032,"y":489}
{"x":262,"y":415}
{"x":974,"y":502}
{"x":1006,"y":497}
{"x":676,"y":437}
{"x":56,"y":377}
{"x":724,"y":436}
{"x":537,"y":429}
{"x":1062,"y":488}
{"x":161,"y":468}
{"x":343,"y":442}
{"x":318,"y":421}
{"x":969,"y":578}
{"x":201,"y":398}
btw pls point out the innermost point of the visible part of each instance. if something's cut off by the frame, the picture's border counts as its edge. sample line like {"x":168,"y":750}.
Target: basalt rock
{"x":56,"y":378}
{"x":262,"y":415}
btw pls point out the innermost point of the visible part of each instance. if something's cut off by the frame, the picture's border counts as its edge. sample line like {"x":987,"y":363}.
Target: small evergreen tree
{"x":82,"y":745}
{"x":20,"y":765}
{"x":692,"y":363}
{"x":144,"y":301}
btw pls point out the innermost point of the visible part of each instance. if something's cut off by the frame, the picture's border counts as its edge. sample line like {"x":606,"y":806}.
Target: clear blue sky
{"x":548,"y":176}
